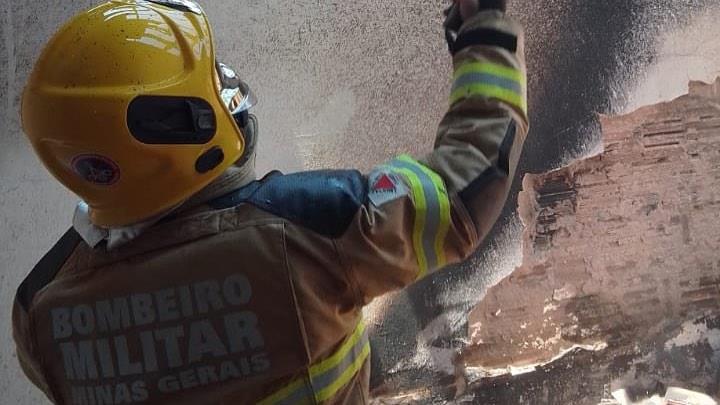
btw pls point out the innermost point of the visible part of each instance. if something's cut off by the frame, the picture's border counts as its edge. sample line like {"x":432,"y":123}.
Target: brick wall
{"x":621,"y":268}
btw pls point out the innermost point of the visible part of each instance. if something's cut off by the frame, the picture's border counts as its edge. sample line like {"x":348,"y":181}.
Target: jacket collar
{"x":232,"y":179}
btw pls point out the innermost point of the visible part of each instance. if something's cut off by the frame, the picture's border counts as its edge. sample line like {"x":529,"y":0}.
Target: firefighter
{"x":185,"y":279}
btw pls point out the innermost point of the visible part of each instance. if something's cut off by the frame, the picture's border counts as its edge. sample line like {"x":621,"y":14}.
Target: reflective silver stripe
{"x":323,"y":381}
{"x":490,"y":80}
{"x":487,"y":78}
{"x":328,"y":376}
{"x":432,"y":214}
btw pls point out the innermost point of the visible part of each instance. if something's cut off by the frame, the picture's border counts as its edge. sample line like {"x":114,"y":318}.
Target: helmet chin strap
{"x":250,"y":131}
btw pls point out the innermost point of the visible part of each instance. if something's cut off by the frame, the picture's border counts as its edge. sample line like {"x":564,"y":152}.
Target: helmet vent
{"x":171,"y":120}
{"x":209,"y":160}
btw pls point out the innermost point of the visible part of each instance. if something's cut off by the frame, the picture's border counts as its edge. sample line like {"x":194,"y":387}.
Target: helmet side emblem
{"x":96,"y":169}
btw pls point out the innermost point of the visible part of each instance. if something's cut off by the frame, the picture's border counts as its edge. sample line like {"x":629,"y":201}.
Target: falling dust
{"x":689,"y":48}
{"x":503,"y":258}
{"x":671,"y":42}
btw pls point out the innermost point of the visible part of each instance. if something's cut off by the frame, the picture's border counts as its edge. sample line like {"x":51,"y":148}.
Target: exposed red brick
{"x":622,"y":251}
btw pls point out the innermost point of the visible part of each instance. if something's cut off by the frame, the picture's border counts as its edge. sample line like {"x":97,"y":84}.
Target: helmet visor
{"x":187,"y":6}
{"x":235,"y":93}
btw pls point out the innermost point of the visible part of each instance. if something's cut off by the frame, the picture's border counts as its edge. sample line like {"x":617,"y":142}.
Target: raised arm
{"x":421,"y":215}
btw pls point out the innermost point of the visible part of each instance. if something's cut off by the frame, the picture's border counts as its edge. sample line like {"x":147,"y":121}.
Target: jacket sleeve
{"x":421,"y":215}
{"x":22,"y":334}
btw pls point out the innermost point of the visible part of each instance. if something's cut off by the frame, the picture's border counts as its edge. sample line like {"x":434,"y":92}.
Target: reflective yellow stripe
{"x":283,"y":393}
{"x":490,"y":91}
{"x":491,"y":68}
{"x":430,"y":248}
{"x":346,"y":376}
{"x":327,"y":377}
{"x":335,"y":359}
{"x":419,"y":221}
{"x":444,"y":202}
{"x":490,"y":80}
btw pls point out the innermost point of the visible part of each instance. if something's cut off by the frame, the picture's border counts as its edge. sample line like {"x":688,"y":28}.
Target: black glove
{"x":453,"y":22}
{"x":493,"y":5}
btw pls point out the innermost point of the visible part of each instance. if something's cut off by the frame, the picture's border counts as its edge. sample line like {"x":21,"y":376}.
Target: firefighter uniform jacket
{"x":255,"y":296}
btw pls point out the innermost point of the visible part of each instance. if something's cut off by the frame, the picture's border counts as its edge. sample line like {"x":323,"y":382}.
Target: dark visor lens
{"x":171,"y":120}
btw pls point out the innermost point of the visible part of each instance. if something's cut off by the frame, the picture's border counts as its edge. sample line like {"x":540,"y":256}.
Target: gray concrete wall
{"x":34,"y":209}
{"x":351,"y":83}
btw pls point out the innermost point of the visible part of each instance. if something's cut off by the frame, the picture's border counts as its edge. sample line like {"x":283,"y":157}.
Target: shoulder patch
{"x":324,"y":201}
{"x":385,"y":186}
{"x":47,"y":268}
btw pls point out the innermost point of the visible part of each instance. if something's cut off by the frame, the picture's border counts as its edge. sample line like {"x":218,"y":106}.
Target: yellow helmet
{"x":128,"y":108}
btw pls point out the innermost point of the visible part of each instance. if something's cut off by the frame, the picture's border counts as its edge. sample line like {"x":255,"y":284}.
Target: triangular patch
{"x":384,"y":183}
{"x":385,"y":187}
